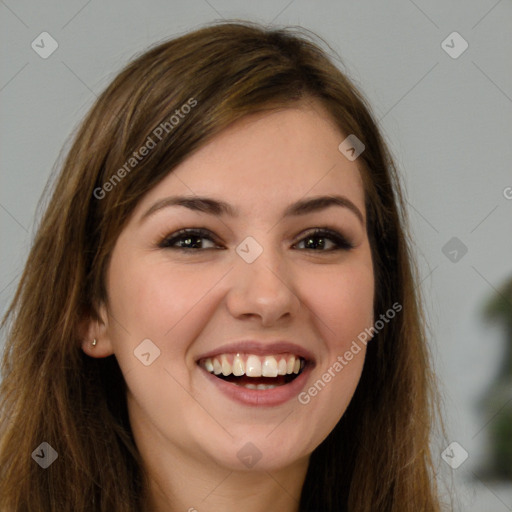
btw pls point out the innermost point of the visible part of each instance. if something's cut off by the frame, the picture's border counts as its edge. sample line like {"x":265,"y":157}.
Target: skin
{"x":187,"y":303}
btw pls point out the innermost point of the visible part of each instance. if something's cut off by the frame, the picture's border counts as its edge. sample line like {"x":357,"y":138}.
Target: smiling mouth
{"x":255,"y":372}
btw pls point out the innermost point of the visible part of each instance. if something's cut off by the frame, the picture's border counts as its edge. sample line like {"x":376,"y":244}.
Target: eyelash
{"x":341,"y":243}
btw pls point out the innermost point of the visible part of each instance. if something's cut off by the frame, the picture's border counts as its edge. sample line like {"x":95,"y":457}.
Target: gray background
{"x":447,"y":122}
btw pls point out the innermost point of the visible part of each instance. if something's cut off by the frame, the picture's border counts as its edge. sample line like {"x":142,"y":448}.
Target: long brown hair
{"x":377,"y":458}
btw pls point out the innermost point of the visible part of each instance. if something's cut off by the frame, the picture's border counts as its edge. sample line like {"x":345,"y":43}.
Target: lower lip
{"x":262,"y":397}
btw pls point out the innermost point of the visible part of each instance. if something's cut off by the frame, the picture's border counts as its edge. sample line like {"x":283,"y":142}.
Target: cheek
{"x":156,"y":302}
{"x":152,"y":298}
{"x":160,"y":302}
{"x":343,"y":303}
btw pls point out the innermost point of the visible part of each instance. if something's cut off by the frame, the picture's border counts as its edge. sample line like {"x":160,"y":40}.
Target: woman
{"x":220,"y":306}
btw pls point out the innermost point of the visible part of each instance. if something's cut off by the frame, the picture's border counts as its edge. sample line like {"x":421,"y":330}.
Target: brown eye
{"x":325,"y":240}
{"x":188,"y":239}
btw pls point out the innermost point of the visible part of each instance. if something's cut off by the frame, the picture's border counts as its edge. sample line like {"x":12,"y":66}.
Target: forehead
{"x":267,"y":160}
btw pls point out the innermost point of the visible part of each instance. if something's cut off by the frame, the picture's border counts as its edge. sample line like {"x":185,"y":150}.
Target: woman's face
{"x":255,"y":291}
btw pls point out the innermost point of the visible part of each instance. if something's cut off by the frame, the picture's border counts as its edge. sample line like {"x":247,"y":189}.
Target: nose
{"x":264,"y":288}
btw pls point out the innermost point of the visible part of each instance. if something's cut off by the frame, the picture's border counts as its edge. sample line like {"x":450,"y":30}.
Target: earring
{"x":94,"y":342}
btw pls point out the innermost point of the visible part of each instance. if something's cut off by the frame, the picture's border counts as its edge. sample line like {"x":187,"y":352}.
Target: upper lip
{"x":260,"y":348}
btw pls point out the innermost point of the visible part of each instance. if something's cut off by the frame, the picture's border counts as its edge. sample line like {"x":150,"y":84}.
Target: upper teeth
{"x":252,"y":365}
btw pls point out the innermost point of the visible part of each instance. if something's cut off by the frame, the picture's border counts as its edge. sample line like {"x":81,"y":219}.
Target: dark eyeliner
{"x":167,"y":241}
{"x":341,"y":241}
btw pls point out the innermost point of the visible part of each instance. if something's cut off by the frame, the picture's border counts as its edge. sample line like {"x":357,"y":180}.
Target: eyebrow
{"x":217,"y":207}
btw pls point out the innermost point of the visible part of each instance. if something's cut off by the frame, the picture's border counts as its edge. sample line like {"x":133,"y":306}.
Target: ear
{"x":94,"y":326}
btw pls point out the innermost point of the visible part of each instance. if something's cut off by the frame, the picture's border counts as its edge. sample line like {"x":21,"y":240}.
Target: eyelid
{"x":200,"y":232}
